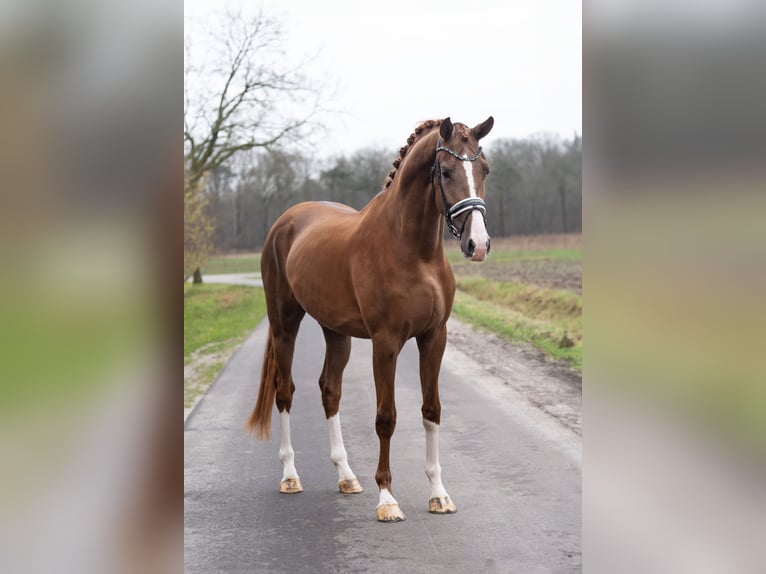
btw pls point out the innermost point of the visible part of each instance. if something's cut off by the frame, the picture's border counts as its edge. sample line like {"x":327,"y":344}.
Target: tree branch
{"x":242,"y":114}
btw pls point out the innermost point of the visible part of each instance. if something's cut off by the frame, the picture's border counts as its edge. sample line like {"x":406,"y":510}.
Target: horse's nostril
{"x":471,"y":247}
{"x":488,"y":246}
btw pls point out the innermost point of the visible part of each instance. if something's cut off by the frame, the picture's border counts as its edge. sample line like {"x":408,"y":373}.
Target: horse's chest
{"x":420,"y":302}
{"x":427,"y":296}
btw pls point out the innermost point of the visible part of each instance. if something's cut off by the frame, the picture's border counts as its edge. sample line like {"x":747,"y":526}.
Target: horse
{"x":381,"y":274}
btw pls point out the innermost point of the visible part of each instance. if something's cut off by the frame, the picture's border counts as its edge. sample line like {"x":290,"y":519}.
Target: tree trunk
{"x":197,"y":280}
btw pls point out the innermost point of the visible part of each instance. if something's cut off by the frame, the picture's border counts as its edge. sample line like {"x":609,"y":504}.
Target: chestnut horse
{"x":380,"y":274}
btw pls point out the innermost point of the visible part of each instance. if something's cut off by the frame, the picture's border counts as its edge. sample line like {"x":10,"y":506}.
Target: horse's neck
{"x":412,"y":203}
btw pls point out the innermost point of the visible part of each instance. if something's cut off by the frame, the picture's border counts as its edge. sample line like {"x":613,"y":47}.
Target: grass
{"x":505,"y":255}
{"x":217,"y":318}
{"x":548,"y":319}
{"x":245,"y":263}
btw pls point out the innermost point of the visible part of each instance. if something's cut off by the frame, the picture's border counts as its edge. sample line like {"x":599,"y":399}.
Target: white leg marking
{"x":386,"y":497}
{"x":286,"y":452}
{"x":433,"y":468}
{"x":338,"y":454}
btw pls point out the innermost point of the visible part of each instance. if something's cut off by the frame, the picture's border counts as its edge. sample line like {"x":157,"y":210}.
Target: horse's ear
{"x":483,"y":128}
{"x":445,"y":129}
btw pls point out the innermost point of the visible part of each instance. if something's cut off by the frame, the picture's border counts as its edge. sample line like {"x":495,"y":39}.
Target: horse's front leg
{"x":330,"y":381}
{"x":384,"y":358}
{"x":431,"y":346}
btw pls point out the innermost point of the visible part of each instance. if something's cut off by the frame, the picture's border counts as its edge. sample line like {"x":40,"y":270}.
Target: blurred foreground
{"x":674,"y":275}
{"x":90,"y":306}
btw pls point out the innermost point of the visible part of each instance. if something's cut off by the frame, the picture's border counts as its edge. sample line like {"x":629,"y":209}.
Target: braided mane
{"x":425,"y":126}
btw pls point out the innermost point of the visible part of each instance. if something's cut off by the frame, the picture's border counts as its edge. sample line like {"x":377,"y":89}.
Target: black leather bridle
{"x":468,"y":204}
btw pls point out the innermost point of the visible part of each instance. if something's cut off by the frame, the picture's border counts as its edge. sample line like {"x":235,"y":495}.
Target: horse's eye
{"x":446,"y":174}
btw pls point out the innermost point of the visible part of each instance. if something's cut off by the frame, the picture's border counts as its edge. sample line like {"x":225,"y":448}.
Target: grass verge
{"x":244,"y":263}
{"x":455,"y":257}
{"x":548,"y":319}
{"x":217,"y":318}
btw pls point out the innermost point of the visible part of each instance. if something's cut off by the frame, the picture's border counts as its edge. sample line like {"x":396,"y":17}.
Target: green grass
{"x":233,"y":264}
{"x":217,"y":318}
{"x":455,"y":257}
{"x":548,"y":319}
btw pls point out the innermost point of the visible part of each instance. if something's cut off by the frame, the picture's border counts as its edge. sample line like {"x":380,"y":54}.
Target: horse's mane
{"x":414,"y":136}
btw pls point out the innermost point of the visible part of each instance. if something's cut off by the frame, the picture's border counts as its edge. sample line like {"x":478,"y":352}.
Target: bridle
{"x":468,"y":204}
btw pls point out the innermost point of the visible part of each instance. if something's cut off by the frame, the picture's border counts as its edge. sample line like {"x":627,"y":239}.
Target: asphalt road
{"x":512,"y":470}
{"x":250,"y":279}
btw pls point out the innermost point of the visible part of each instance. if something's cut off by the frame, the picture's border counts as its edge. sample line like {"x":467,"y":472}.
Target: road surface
{"x":513,"y":471}
{"x":249,"y":279}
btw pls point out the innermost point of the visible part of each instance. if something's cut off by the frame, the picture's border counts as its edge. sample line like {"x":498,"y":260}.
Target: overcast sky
{"x":394,"y":63}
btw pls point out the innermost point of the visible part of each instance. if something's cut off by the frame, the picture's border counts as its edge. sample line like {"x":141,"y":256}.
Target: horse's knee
{"x":330,"y":399}
{"x":385,"y":422}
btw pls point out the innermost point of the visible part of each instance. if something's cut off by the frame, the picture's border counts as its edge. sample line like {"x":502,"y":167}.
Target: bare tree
{"x":535,"y":185}
{"x":242,"y":95}
{"x":197,"y":228}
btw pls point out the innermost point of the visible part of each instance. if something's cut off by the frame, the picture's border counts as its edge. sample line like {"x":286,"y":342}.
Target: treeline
{"x":535,"y":187}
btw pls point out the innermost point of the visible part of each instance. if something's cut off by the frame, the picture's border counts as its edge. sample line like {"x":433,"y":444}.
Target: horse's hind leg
{"x":285,"y":315}
{"x":284,"y":346}
{"x":336,"y":358}
{"x":431,"y":347}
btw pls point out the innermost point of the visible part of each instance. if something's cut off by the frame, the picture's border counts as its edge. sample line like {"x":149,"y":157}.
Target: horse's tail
{"x":259,"y":422}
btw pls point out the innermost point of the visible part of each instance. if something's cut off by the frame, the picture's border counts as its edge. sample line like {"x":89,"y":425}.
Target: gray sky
{"x":395,"y":63}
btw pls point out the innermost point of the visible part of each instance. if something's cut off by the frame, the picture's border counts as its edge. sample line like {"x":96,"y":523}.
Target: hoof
{"x":290,"y":485}
{"x":390,"y":513}
{"x":443,"y":505}
{"x":350,"y":486}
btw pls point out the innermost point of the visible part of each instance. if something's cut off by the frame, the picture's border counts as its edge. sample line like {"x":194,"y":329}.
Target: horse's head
{"x":460,"y":169}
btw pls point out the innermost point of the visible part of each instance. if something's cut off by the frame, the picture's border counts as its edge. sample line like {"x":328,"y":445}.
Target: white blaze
{"x":479,"y":233}
{"x":468,"y":167}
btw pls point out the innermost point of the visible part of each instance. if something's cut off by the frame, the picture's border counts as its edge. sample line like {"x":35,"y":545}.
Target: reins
{"x":468,"y":204}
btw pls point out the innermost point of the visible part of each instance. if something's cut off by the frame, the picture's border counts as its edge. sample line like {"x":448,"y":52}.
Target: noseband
{"x":468,"y":204}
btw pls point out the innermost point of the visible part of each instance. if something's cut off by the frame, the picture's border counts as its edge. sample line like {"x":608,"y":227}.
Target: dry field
{"x":549,"y":261}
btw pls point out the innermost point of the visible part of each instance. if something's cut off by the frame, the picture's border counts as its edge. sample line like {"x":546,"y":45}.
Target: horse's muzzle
{"x":475,"y":252}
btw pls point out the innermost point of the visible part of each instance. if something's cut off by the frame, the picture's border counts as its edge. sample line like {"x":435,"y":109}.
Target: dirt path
{"x":528,"y":374}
